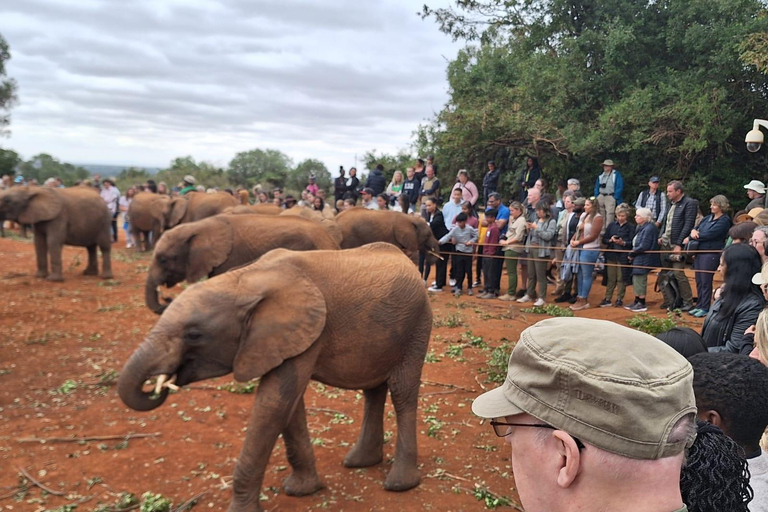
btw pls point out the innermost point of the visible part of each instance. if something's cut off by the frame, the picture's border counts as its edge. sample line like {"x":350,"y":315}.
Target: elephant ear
{"x":282,"y":313}
{"x":42,"y":205}
{"x":175,"y":210}
{"x":209,"y":248}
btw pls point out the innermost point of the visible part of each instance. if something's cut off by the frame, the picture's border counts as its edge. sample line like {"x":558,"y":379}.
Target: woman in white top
{"x":587,"y":239}
{"x":125,"y":202}
{"x":395,"y":187}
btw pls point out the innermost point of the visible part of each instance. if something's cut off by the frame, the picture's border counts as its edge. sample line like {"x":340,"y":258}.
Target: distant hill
{"x":113,"y":170}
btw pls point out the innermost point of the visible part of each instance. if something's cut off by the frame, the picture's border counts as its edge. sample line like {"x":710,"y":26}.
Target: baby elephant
{"x":70,"y":216}
{"x":288,"y":318}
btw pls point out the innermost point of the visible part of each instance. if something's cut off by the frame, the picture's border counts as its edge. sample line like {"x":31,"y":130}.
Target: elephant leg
{"x":106,"y":260}
{"x":404,"y":386}
{"x":55,"y":246}
{"x":136,"y":235}
{"x":93,"y":264}
{"x":304,"y":479}
{"x":279,"y":393}
{"x":369,"y":448}
{"x":41,"y":251}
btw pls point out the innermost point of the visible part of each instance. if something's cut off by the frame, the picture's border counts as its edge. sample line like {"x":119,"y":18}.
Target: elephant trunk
{"x":131,"y":382}
{"x":152,"y":296}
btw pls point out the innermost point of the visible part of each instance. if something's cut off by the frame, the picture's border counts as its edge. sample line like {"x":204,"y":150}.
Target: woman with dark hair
{"x":739,"y":304}
{"x":528,"y":177}
{"x":741,"y":233}
{"x":352,"y":183}
{"x":684,"y":340}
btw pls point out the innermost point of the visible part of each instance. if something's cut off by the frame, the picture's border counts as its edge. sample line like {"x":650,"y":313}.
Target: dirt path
{"x":63,"y":345}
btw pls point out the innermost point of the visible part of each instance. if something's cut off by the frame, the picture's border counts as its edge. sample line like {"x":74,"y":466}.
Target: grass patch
{"x":67,"y":388}
{"x":490,"y":499}
{"x":549,"y":309}
{"x":238,"y":388}
{"x":431,"y":357}
{"x":453,"y":320}
{"x":498,"y":362}
{"x":651,"y":324}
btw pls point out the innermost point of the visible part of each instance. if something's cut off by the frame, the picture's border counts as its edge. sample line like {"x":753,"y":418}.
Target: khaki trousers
{"x":607,"y":209}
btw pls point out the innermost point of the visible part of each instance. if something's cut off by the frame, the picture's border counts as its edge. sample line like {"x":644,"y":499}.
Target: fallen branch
{"x":480,"y":384}
{"x":43,"y":440}
{"x":29,"y":477}
{"x":190,"y":502}
{"x":329,"y":411}
{"x":438,"y":393}
{"x":12,"y":493}
{"x":431,"y":383}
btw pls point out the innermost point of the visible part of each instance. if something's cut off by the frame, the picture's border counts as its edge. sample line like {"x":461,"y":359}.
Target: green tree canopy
{"x":44,"y":166}
{"x":298,"y":177}
{"x":397,"y":162}
{"x":7,"y":88}
{"x":205,"y":173}
{"x":268,"y":167}
{"x":658,"y":86}
{"x":9,"y":160}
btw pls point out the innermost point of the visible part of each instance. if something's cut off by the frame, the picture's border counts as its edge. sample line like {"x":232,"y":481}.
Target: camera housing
{"x":754,"y":140}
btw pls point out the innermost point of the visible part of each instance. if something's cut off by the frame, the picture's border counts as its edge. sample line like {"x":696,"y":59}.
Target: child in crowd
{"x":490,"y":249}
{"x":462,"y":236}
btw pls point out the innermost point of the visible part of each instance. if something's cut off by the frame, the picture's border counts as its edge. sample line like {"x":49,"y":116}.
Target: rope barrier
{"x":711,"y":251}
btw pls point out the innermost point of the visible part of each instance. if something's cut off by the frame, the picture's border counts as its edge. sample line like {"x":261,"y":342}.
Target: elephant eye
{"x":193,"y":335}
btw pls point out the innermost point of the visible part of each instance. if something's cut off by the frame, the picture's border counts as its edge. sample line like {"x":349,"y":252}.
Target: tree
{"x":7,"y":88}
{"x":205,"y":174}
{"x":658,"y":86}
{"x":299,"y":176}
{"x":44,"y":166}
{"x":130,"y":177}
{"x":398,"y":162}
{"x":9,"y":161}
{"x":268,"y":167}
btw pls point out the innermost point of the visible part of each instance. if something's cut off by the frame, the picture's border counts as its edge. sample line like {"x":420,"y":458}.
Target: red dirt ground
{"x":64,"y":343}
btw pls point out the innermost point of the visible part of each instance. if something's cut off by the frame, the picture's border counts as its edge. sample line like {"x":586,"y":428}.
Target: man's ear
{"x":713,"y":417}
{"x":570,"y":458}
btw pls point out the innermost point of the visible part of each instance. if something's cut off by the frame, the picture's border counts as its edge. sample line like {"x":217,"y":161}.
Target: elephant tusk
{"x":171,"y":384}
{"x":433,"y":253}
{"x":160,"y":381}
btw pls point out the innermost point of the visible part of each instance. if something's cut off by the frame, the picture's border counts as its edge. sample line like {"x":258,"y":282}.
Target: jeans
{"x":705,"y":261}
{"x":587,"y":259}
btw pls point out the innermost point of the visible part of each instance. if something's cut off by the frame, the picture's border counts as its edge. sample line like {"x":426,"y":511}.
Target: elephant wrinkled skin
{"x":70,"y":216}
{"x":354,"y":319}
{"x":147,"y":218}
{"x":196,"y":206}
{"x":212,"y":246}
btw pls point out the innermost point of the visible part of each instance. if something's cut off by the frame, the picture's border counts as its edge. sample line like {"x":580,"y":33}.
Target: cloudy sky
{"x":140,"y":82}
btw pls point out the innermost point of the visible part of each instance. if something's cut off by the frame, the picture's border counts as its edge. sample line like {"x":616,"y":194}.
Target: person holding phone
{"x":618,"y":237}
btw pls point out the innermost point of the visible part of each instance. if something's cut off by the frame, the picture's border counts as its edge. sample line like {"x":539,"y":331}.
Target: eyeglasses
{"x":500,"y":430}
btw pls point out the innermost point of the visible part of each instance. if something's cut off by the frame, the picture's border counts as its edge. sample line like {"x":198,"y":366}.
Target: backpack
{"x":667,"y":285}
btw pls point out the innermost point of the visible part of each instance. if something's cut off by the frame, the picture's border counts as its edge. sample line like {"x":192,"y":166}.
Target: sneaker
{"x":452,"y":282}
{"x":605,"y":303}
{"x":507,"y":297}
{"x":469,"y":292}
{"x":434,"y":283}
{"x":638,"y":307}
{"x":619,"y":303}
{"x":476,"y":284}
{"x":563,"y":298}
{"x":488,"y":295}
{"x":457,"y":293}
{"x":434,"y":289}
{"x":701,"y":313}
{"x":539,"y":302}
{"x":525,"y":298}
{"x":694,"y":311}
{"x":580,"y":304}
{"x":630,"y":306}
{"x":686,"y":307}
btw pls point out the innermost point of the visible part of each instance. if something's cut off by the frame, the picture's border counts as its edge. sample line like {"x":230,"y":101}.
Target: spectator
{"x":50,"y":183}
{"x":588,"y":241}
{"x":756,"y":194}
{"x":541,"y":238}
{"x":562,"y":186}
{"x":340,"y":185}
{"x":502,"y":221}
{"x":340,"y":205}
{"x":382,"y":200}
{"x":125,"y":203}
{"x":675,"y":228}
{"x":111,"y":197}
{"x":731,"y":394}
{"x":613,"y":443}
{"x":530,"y":173}
{"x":541,"y":184}
{"x":760,"y":352}
{"x":7,"y":182}
{"x":403,"y":204}
{"x":187,"y":185}
{"x":437,"y":225}
{"x":567,"y":224}
{"x":608,"y":189}
{"x":725,"y":327}
{"x":684,"y":340}
{"x":160,"y":188}
{"x":513,"y":247}
{"x":452,"y":208}
{"x":490,"y":181}
{"x":431,"y":161}
{"x":430,"y":189}
{"x":349,"y":203}
{"x":468,"y":189}
{"x":710,"y":234}
{"x":490,"y":251}
{"x":395,"y":187}
{"x":466,"y":207}
{"x":278,"y":201}
{"x":376,"y":181}
{"x":262,"y":198}
{"x":654,"y":200}
{"x":312,"y":187}
{"x":758,"y":239}
{"x":420,"y":171}
{"x":574,"y":184}
{"x":411,"y":187}
{"x":463,"y":237}
{"x":532,"y":199}
{"x":96,"y":182}
{"x":618,"y":237}
{"x":368,"y":201}
{"x":352,"y":185}
{"x":318,"y":204}
{"x":741,"y":233}
{"x":642,"y":257}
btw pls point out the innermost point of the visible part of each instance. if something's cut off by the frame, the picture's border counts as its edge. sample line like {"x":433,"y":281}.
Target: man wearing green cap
{"x":597,"y":415}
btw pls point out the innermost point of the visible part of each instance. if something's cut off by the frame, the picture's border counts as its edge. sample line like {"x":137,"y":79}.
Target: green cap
{"x":611,"y":386}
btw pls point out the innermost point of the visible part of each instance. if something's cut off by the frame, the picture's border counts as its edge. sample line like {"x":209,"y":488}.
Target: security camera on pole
{"x":754,"y":138}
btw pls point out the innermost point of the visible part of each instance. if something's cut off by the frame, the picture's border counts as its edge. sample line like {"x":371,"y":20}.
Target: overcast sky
{"x":140,"y":82}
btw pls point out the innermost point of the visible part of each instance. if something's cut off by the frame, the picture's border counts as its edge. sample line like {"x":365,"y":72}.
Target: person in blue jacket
{"x":646,"y":239}
{"x":710,"y":234}
{"x":608,"y":189}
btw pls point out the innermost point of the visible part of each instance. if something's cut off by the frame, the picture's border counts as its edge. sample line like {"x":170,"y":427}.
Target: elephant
{"x":360,"y":226}
{"x":329,"y":224}
{"x":73,"y":216}
{"x":288,"y":318}
{"x":147,"y":218}
{"x":212,"y":246}
{"x":260,"y":209}
{"x":196,"y":206}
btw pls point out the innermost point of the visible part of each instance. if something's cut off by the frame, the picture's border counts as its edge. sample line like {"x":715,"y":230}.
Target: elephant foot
{"x":400,"y":479}
{"x":42,"y":274}
{"x":91,"y":272}
{"x":363,"y":458}
{"x":295,"y":485}
{"x":55,"y":278}
{"x":107,"y":275}
{"x":240,"y":508}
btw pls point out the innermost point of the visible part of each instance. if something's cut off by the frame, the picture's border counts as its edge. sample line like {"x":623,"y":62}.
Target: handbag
{"x":691,"y":247}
